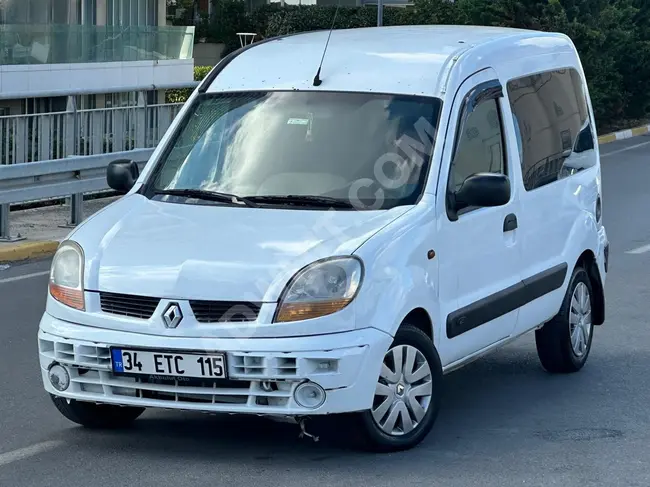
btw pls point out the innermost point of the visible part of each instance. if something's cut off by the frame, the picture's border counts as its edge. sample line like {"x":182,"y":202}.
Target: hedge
{"x":180,"y":96}
{"x":612,"y":36}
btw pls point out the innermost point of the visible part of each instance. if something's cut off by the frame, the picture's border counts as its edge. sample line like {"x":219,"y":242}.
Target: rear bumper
{"x":345,"y":365}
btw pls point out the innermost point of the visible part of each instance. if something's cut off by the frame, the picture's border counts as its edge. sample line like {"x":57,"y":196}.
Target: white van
{"x":307,"y":242}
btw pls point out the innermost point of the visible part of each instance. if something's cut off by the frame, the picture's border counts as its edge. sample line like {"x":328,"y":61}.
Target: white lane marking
{"x":618,"y":151}
{"x":29,"y":451}
{"x":24,"y":276}
{"x":639,"y":250}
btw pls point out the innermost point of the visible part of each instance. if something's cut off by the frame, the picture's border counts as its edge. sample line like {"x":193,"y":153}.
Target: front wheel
{"x":101,"y":416}
{"x":407,"y":395}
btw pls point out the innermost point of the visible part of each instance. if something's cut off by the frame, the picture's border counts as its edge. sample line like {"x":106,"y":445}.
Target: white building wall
{"x":26,"y":81}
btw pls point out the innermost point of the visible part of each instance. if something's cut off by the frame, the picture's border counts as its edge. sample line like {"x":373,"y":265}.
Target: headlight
{"x":320,"y":289}
{"x":66,"y":275}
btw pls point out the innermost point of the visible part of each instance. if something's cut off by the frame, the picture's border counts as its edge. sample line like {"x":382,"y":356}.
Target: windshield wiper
{"x":203,"y":194}
{"x":304,"y":200}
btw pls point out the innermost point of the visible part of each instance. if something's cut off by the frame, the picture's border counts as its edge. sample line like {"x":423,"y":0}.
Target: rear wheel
{"x":564,"y":343}
{"x":407,"y":395}
{"x":100,"y":416}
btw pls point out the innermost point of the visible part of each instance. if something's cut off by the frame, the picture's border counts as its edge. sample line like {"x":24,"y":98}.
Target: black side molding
{"x":507,"y":300}
{"x":544,"y":282}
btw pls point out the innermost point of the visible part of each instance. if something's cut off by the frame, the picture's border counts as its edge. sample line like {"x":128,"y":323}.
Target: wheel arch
{"x":419,"y":317}
{"x":587,"y":261}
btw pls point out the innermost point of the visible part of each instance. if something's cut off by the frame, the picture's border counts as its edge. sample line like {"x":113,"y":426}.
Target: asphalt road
{"x":504,"y":421}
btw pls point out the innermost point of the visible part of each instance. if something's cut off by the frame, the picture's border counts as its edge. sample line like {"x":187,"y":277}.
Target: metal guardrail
{"x":72,"y":176}
{"x":48,"y":136}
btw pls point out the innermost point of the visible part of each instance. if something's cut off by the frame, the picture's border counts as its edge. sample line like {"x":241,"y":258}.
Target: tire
{"x":555,"y":343}
{"x":96,"y":416}
{"x":412,"y":342}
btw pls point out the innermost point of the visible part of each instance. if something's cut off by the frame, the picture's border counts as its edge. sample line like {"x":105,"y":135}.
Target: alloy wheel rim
{"x":580,"y":319}
{"x":403,"y":391}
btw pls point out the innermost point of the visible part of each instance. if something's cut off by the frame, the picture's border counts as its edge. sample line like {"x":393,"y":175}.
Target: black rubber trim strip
{"x":507,"y":300}
{"x":487,"y":90}
{"x":544,"y":282}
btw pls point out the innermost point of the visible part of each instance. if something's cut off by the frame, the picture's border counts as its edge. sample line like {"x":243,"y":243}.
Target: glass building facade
{"x":81,"y":12}
{"x":87,"y":31}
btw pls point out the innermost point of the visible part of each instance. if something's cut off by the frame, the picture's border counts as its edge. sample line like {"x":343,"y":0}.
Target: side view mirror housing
{"x":481,"y":190}
{"x":121,"y":175}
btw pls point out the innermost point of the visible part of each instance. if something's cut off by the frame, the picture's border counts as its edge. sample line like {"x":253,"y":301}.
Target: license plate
{"x":168,"y":364}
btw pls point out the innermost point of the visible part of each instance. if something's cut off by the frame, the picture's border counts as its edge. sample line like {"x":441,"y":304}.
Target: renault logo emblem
{"x":172,"y":315}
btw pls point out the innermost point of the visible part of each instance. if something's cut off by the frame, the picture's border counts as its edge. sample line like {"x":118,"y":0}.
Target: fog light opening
{"x":59,"y":377}
{"x":309,"y":395}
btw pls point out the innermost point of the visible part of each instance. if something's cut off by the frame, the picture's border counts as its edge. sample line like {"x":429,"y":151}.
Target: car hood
{"x":184,"y":251}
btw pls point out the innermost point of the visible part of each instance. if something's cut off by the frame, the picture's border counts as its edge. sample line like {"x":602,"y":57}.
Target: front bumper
{"x":346,"y":365}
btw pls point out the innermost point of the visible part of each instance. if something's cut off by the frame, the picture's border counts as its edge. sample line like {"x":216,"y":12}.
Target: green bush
{"x":612,"y":36}
{"x":180,"y":96}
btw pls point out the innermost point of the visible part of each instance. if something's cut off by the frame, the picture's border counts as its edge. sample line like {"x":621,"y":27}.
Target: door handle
{"x":510,"y":223}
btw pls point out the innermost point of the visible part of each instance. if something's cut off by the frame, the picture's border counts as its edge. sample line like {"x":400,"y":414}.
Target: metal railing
{"x":54,"y":155}
{"x":55,"y":179}
{"x":47,"y":136}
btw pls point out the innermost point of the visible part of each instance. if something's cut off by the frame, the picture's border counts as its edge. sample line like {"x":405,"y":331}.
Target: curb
{"x":27,"y":250}
{"x":624,"y":134}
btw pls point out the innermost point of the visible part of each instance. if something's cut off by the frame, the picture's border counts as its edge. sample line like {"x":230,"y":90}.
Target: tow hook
{"x":303,"y":431}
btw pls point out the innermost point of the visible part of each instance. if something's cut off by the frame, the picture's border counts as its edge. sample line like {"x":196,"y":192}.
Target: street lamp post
{"x":380,"y":13}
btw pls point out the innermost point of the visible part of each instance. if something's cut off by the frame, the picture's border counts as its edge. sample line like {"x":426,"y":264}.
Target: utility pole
{"x":380,"y":13}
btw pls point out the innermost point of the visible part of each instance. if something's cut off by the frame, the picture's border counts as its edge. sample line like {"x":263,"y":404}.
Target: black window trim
{"x":482,"y":92}
{"x":590,"y":120}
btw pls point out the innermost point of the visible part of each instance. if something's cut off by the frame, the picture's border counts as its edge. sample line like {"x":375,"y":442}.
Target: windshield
{"x":370,"y":150}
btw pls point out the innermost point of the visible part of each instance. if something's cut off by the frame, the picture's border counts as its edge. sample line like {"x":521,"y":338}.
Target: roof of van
{"x":399,"y":59}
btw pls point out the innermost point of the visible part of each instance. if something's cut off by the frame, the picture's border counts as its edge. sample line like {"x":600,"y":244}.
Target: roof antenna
{"x":317,"y":80}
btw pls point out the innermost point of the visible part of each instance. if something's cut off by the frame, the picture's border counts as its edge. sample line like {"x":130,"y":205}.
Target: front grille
{"x":97,"y":384}
{"x":225,"y":311}
{"x":91,"y":376}
{"x":65,"y":352}
{"x":244,"y":364}
{"x":193,"y":390}
{"x":128,"y":305}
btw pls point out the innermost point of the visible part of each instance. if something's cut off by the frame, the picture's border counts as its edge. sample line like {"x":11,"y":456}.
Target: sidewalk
{"x":42,"y":229}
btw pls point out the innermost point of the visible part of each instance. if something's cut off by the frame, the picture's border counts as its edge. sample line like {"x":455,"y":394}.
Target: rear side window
{"x":554,"y":130}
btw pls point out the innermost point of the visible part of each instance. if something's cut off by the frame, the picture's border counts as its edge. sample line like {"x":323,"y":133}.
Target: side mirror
{"x":483,"y":189}
{"x":121,"y":175}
